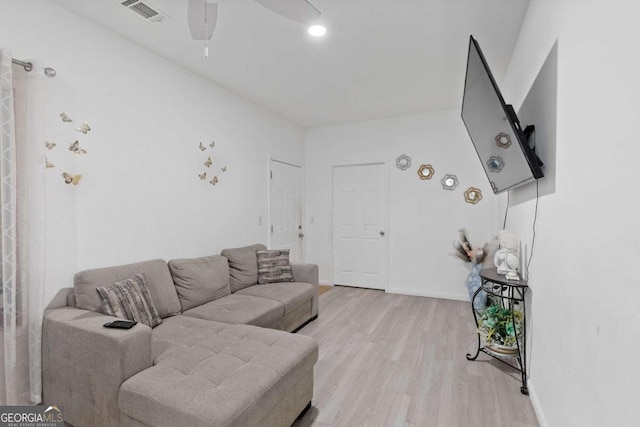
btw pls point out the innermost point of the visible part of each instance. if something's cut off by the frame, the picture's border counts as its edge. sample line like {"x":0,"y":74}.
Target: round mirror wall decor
{"x":403,"y":162}
{"x":495,"y":163}
{"x":472,"y":195}
{"x":449,"y":182}
{"x":426,"y":172}
{"x":503,"y":140}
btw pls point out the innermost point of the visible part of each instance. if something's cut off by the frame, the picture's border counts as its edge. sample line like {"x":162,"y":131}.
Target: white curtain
{"x":22,"y":229}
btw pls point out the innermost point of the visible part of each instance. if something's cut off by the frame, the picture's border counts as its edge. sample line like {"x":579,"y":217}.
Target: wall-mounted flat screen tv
{"x":502,"y":146}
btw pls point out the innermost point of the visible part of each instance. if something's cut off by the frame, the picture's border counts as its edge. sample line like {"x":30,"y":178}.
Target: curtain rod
{"x":28,"y":66}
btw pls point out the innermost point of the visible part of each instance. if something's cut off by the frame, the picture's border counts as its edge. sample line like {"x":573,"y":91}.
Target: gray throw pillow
{"x":274,"y":266}
{"x":130,"y":299}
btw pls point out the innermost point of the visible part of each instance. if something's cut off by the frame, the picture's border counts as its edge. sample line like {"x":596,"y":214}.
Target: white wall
{"x":584,"y":279}
{"x":423,"y":218}
{"x":140,"y":197}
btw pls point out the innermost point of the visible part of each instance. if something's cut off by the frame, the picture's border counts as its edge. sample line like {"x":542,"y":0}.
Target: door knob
{"x":301,"y":235}
{"x":382,"y":233}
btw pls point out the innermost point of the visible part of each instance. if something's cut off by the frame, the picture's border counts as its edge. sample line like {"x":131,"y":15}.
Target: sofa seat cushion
{"x":290,"y":294}
{"x":157,"y":277}
{"x":241,"y":309}
{"x":216,"y":374}
{"x":200,"y":280}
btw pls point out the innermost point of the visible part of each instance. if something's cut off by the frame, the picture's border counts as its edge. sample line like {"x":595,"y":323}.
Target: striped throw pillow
{"x":130,"y":299}
{"x":274,"y":266}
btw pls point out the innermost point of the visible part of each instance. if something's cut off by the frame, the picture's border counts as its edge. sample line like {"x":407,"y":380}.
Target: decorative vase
{"x":473,"y":283}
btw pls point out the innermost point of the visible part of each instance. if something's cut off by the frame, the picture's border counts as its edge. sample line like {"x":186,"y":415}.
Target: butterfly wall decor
{"x":209,"y":163}
{"x":75,"y":148}
{"x":71,"y":179}
{"x":84,"y":128}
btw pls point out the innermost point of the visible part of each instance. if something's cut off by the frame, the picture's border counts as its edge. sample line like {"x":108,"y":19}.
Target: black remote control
{"x":120,"y":324}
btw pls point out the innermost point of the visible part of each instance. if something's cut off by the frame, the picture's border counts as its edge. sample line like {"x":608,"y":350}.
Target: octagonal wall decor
{"x":449,"y":182}
{"x":473,"y":195}
{"x":495,"y":164}
{"x":403,"y":162}
{"x":426,"y":172}
{"x":503,"y":140}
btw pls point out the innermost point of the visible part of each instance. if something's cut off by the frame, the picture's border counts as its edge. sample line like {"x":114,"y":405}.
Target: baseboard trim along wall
{"x":537,"y":408}
{"x":428,"y":294}
{"x":414,"y":293}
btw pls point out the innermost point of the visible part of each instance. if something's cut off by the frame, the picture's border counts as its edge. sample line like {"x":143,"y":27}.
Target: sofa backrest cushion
{"x":156,"y":273}
{"x":243,"y":266}
{"x":200,"y":280}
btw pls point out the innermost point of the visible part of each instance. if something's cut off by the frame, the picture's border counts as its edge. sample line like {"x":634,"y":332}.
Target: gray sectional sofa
{"x":222,"y":355}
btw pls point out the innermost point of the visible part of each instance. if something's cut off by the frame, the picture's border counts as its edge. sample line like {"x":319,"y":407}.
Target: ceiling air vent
{"x":143,"y":10}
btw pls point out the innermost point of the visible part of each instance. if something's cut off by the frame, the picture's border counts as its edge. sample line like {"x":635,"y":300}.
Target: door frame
{"x":385,"y":190}
{"x":302,"y":201}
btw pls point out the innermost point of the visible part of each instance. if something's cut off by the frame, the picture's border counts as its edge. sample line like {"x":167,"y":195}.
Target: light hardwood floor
{"x":395,"y":360}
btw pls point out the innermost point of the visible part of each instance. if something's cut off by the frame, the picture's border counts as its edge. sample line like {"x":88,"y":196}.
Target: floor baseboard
{"x":429,"y":294}
{"x":537,"y":407}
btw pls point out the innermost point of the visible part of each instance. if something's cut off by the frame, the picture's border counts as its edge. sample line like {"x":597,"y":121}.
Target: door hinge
{"x":272,"y":229}
{"x":271,"y":174}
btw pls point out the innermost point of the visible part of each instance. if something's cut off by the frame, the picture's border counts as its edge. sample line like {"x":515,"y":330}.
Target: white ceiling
{"x":379,"y":59}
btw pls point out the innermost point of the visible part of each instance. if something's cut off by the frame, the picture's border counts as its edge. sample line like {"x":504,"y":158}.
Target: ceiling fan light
{"x":317,"y":30}
{"x":202,"y":16}
{"x":298,"y":10}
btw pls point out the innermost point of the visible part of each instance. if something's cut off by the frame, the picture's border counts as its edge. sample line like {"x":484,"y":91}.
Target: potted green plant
{"x":501,"y":327}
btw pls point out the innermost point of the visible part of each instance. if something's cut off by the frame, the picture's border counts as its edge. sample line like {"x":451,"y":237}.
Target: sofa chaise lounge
{"x":222,"y":355}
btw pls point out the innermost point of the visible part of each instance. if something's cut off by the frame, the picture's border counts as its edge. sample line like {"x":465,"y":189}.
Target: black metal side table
{"x":508,"y":294}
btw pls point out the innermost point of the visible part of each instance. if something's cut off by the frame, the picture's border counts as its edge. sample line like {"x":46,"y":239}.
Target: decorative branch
{"x":464,"y":250}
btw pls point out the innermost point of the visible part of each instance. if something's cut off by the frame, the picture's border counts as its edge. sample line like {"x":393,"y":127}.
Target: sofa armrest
{"x":307,"y":273}
{"x":63,"y":298}
{"x":84,"y":363}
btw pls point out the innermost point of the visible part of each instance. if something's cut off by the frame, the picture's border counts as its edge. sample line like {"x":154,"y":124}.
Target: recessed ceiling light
{"x":317,"y":30}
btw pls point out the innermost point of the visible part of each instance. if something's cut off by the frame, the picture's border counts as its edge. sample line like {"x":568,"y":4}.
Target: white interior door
{"x":285,"y":191}
{"x":359,"y":225}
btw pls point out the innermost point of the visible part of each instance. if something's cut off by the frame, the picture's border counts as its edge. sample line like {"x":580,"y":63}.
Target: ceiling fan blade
{"x":298,"y":10}
{"x":202,"y":19}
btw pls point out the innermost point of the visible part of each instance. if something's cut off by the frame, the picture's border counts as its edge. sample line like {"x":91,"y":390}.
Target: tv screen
{"x":502,"y":146}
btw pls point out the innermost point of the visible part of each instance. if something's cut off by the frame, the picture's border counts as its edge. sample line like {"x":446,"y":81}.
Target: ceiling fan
{"x":203,"y":15}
